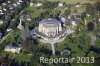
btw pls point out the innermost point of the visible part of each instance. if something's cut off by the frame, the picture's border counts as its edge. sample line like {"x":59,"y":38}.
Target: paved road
{"x":53,"y":48}
{"x":5,"y":37}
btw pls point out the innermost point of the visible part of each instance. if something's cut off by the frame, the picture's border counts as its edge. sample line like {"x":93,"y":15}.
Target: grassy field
{"x":76,"y":1}
{"x":23,"y":57}
{"x":34,"y":12}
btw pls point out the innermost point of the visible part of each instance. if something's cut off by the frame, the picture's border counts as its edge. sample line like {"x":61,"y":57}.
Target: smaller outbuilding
{"x":38,"y":5}
{"x":65,"y":52}
{"x":1,"y":22}
{"x":66,"y":21}
{"x":60,"y":4}
{"x":14,"y":48}
{"x":9,"y":29}
{"x":1,"y":12}
{"x":20,"y":0}
{"x":77,"y":5}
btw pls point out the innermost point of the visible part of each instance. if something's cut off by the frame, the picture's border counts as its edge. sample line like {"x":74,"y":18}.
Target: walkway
{"x":52,"y":42}
{"x":2,"y":40}
{"x":93,"y":39}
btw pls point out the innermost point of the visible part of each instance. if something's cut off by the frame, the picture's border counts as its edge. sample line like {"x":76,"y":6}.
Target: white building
{"x":4,"y":9}
{"x":50,"y":27}
{"x":31,"y":4}
{"x":15,"y":5}
{"x":9,"y":29}
{"x":77,"y":5}
{"x":99,"y":20}
{"x":60,"y":4}
{"x":1,"y":12}
{"x":50,"y":30}
{"x":74,"y":23}
{"x":4,"y":4}
{"x":66,"y":52}
{"x":68,"y":21}
{"x":1,"y":22}
{"x":9,"y":2}
{"x":20,"y":1}
{"x":38,"y":5}
{"x":63,"y":19}
{"x":13,"y":48}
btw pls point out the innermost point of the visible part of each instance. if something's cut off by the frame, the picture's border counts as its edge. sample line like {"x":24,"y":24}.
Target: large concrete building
{"x":50,"y":29}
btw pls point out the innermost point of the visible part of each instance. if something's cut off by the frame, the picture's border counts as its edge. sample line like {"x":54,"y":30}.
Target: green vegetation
{"x":78,"y":43}
{"x":98,"y":43}
{"x":23,"y":57}
{"x":34,"y":12}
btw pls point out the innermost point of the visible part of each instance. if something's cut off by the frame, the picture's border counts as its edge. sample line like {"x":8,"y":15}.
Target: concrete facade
{"x":50,"y":29}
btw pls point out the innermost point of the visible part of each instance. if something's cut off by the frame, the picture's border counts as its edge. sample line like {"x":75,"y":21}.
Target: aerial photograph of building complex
{"x":49,"y":32}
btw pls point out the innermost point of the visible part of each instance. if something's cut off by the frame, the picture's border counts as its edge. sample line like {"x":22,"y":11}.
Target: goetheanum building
{"x":50,"y":29}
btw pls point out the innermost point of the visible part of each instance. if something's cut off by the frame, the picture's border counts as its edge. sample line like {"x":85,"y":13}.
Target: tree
{"x":97,"y":7}
{"x":90,"y":9}
{"x":90,"y":26}
{"x":13,"y":24}
{"x":83,"y":15}
{"x":67,"y":12}
{"x":34,"y":1}
{"x":50,"y":5}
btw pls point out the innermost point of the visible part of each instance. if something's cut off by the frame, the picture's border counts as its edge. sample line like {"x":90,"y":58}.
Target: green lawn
{"x":98,"y":43}
{"x":10,"y":39}
{"x":23,"y":57}
{"x":70,"y":45}
{"x":34,"y":12}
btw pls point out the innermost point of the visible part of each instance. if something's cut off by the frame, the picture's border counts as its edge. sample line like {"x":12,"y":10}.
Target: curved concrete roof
{"x":50,"y":25}
{"x":50,"y":20}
